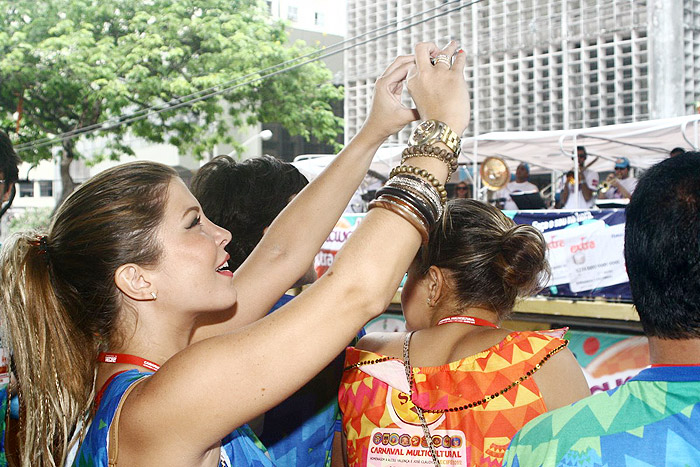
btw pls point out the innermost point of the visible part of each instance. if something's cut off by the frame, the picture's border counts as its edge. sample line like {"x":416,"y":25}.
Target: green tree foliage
{"x":37,"y":219}
{"x":76,"y":63}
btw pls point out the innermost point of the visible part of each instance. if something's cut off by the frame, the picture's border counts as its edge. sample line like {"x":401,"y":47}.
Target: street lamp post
{"x":264,"y":135}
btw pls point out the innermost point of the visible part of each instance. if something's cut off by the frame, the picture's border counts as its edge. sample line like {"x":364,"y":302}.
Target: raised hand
{"x":388,"y":115}
{"x":439,"y":89}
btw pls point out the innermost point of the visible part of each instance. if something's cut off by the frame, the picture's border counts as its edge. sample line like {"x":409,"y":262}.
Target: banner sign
{"x":585,"y":250}
{"x":342,"y":230}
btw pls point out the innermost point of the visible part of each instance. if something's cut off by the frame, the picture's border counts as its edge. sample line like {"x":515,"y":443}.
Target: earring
{"x":429,"y":302}
{"x":153,"y":294}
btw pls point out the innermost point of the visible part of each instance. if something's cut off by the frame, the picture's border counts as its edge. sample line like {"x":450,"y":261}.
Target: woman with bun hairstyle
{"x":457,"y":378}
{"x":129,"y":334}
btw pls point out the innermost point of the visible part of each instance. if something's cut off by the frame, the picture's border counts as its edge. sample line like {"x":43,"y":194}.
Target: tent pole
{"x":574,"y":157}
{"x":475,"y":99}
{"x":553,"y":191}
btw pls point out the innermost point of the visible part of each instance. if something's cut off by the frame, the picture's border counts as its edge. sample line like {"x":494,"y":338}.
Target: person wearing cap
{"x":588,"y":184}
{"x":622,"y":184}
{"x":519,"y":185}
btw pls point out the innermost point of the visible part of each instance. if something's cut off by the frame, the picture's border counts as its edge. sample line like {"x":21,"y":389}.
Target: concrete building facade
{"x":541,"y":64}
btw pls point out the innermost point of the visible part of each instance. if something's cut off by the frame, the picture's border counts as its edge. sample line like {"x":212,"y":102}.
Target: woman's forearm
{"x":318,"y":207}
{"x":292,"y":241}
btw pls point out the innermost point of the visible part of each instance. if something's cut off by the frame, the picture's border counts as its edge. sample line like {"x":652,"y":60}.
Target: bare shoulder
{"x":385,"y":343}
{"x":561,"y":380}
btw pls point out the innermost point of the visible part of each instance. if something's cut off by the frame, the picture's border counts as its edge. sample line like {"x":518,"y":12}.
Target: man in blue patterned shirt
{"x":653,"y":419}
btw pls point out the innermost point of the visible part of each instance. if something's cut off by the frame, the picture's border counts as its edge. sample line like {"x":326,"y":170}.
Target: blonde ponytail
{"x":59,"y":302}
{"x":54,"y":361}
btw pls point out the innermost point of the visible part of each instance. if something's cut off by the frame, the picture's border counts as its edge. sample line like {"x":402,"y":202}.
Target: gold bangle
{"x":419,"y":187}
{"x":404,"y":213}
{"x":407,"y":206}
{"x":407,"y":169}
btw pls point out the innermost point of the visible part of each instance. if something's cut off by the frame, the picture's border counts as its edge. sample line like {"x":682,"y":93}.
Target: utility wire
{"x":181,"y":99}
{"x":215,"y":91}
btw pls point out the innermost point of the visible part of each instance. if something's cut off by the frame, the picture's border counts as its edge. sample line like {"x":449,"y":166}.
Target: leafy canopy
{"x":74,"y":63}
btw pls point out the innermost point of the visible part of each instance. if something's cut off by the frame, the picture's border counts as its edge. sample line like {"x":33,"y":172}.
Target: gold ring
{"x":442,"y":58}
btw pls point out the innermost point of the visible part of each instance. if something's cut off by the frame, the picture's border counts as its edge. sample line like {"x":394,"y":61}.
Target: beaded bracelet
{"x":427,"y":150}
{"x":407,"y":169}
{"x":416,"y":202}
{"x":403,"y":211}
{"x":421,"y":188}
{"x":419,"y":184}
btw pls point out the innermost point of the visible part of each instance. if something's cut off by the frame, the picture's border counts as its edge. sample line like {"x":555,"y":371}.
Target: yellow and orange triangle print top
{"x":472,"y":407}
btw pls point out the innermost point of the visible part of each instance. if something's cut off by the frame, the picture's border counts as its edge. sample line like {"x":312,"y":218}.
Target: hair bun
{"x":524,"y":253}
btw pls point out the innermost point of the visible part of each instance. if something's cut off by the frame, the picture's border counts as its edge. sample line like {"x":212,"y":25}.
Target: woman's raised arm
{"x":245,"y":373}
{"x":294,"y":238}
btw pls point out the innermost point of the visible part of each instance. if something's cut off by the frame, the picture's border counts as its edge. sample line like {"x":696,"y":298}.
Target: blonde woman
{"x":128,"y":296}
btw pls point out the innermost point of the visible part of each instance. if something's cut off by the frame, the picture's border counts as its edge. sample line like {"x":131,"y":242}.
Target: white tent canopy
{"x":643,"y":143}
{"x":386,"y":158}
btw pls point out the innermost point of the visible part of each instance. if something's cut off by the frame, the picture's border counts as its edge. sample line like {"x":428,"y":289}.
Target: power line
{"x":215,"y":91}
{"x":181,"y":99}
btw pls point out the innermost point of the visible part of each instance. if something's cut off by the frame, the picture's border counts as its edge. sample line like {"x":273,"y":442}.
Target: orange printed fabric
{"x":473,"y":407}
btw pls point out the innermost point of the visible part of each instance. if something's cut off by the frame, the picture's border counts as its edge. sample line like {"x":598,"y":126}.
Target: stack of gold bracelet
{"x":426,"y":150}
{"x":414,"y":193}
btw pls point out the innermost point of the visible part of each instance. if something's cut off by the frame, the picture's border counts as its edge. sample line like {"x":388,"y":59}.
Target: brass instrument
{"x":570,"y":174}
{"x":606,"y":184}
{"x":570,"y":177}
{"x":494,"y":173}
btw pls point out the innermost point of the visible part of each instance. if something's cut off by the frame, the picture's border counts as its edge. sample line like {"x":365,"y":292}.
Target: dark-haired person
{"x":676,"y":152}
{"x":9,"y":174}
{"x":244,"y":198}
{"x":587,"y":185}
{"x":521,"y":184}
{"x":654,"y":418}
{"x":101,"y":312}
{"x":458,"y":377}
{"x":462,"y":190}
{"x":9,"y":170}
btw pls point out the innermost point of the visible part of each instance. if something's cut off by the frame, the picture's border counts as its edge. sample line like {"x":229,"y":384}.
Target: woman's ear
{"x":436,"y":284}
{"x":132,"y":281}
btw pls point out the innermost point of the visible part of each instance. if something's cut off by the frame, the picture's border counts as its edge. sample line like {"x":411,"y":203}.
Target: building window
{"x":26,"y":189}
{"x":292,"y":13}
{"x":269,"y":6}
{"x":46,"y":188}
{"x":318,"y":18}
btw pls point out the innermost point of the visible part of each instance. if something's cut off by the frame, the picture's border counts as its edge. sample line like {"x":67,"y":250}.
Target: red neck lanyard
{"x":105,"y":357}
{"x":464,"y":319}
{"x":666,"y":365}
